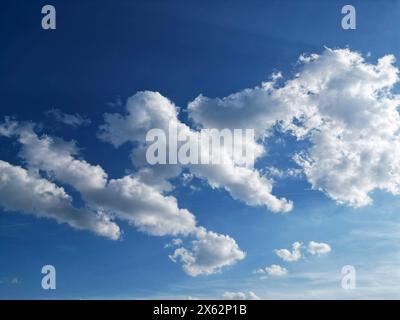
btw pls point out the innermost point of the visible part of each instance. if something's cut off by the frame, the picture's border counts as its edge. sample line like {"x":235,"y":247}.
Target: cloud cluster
{"x":342,"y":104}
{"x":128,"y":198}
{"x":315,"y":248}
{"x":150,"y":110}
{"x":294,"y":255}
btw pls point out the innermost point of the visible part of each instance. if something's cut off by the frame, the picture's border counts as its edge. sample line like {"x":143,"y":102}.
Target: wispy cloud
{"x":73,"y":120}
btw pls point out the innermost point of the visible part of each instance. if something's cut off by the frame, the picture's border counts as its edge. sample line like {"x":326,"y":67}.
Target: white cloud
{"x":143,"y":206}
{"x":74,"y":120}
{"x":313,"y":247}
{"x":127,"y":198}
{"x":273,"y":270}
{"x":176,"y":242}
{"x":290,"y":256}
{"x":345,"y":107}
{"x":21,"y":190}
{"x":149,"y":110}
{"x":208,"y":253}
{"x":238,"y":295}
{"x":316,"y":248}
{"x":356,"y":145}
{"x":283,"y":174}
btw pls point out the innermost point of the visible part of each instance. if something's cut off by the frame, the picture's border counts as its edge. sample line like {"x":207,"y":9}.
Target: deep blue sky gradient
{"x":105,"y":51}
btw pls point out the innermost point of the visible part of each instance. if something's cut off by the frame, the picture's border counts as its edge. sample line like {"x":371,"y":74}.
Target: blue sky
{"x":104,"y":52}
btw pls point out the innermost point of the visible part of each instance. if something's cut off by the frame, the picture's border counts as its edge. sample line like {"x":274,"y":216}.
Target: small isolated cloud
{"x":10,"y":281}
{"x":209,"y":253}
{"x":290,"y":256}
{"x":273,"y":271}
{"x":316,"y":248}
{"x":177,"y":242}
{"x":74,"y":120}
{"x":174,"y":243}
{"x":250,"y":295}
{"x":283,"y":174}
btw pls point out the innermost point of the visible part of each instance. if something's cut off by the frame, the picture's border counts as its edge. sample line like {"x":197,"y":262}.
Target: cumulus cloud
{"x":276,"y":271}
{"x":21,"y":190}
{"x":273,"y":271}
{"x":143,"y":206}
{"x":342,"y":104}
{"x":356,"y":142}
{"x":150,"y":110}
{"x":127,"y":198}
{"x":290,"y":256}
{"x":73,"y":120}
{"x":239,"y":295}
{"x":313,"y":247}
{"x":208,"y":253}
{"x":316,"y":248}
